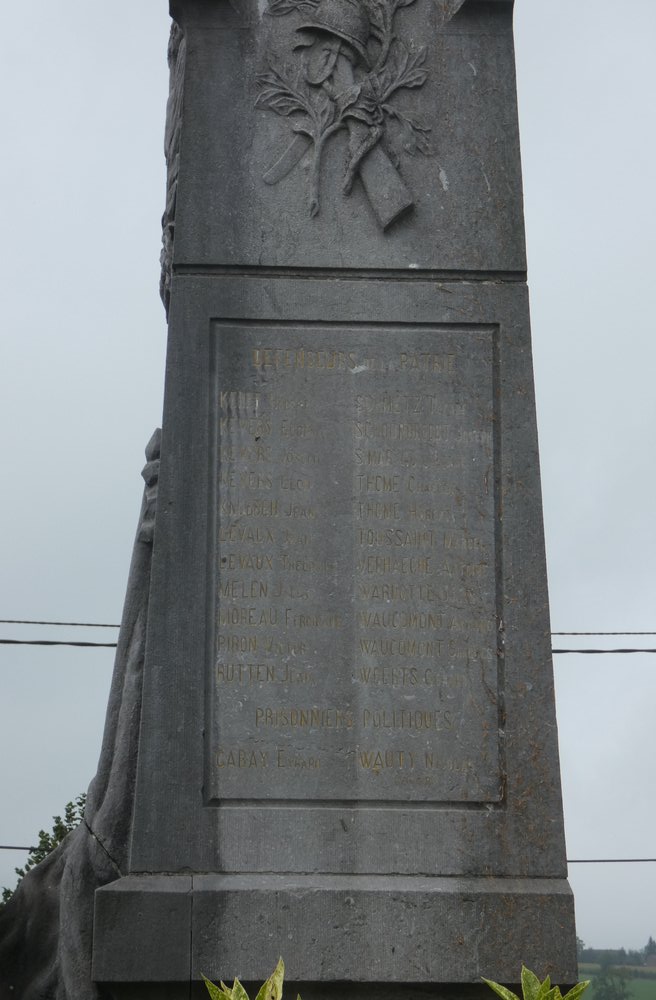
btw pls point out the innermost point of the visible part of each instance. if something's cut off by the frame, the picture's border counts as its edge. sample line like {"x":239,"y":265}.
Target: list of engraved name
{"x":354,"y":605}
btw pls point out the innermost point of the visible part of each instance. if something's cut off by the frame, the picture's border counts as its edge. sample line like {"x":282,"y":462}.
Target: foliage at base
{"x":73,"y":816}
{"x":270,"y":990}
{"x":533,"y":989}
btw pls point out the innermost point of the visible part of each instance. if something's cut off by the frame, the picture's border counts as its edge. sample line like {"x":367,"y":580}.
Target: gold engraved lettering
{"x":300,"y":458}
{"x":243,"y":453}
{"x":237,"y":643}
{"x":288,"y":590}
{"x":312,"y":619}
{"x":239,"y":533}
{"x":442,"y":679}
{"x":293,"y":358}
{"x":255,"y":481}
{"x":397,"y":537}
{"x":304,"y":718}
{"x":381,"y":760}
{"x":378,"y":483}
{"x":403,"y":432}
{"x":294,"y":483}
{"x":389,"y":676}
{"x":442,"y":515}
{"x":462,"y":542}
{"x":423,"y":486}
{"x":228,"y":478}
{"x":402,"y":647}
{"x":398,"y":592}
{"x":241,"y":758}
{"x":400,"y":619}
{"x":379,"y":509}
{"x":249,"y":508}
{"x":371,"y":457}
{"x":284,"y":647}
{"x":250,"y":617}
{"x":433,"y":761}
{"x":286,"y":758}
{"x":300,"y":430}
{"x":238,"y":560}
{"x":255,"y":426}
{"x":391,"y":403}
{"x":285,"y":403}
{"x":235,"y":402}
{"x":243,"y":588}
{"x":383,"y":565}
{"x":292,"y":564}
{"x":438,"y":364}
{"x":405,"y":718}
{"x":299,"y":510}
{"x":260,"y":673}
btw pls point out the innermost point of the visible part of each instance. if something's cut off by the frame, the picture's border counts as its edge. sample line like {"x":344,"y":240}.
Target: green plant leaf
{"x":500,"y":990}
{"x":238,"y":992}
{"x":577,"y":990}
{"x":213,"y":990}
{"x":531,"y":985}
{"x":272,"y":988}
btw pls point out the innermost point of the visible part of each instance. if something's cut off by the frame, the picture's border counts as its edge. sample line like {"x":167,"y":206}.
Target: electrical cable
{"x":113,"y":645}
{"x":570,"y":861}
{"x":55,"y":642}
{"x":30,"y":621}
{"x":603,"y":633}
{"x":602,"y":651}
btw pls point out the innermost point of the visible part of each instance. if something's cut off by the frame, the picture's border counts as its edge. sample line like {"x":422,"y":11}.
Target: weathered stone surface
{"x":509,"y":829}
{"x":46,"y":927}
{"x":346,"y":735}
{"x":347,"y":751}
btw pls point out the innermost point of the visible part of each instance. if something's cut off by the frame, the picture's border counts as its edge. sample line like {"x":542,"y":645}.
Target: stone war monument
{"x":335,"y":683}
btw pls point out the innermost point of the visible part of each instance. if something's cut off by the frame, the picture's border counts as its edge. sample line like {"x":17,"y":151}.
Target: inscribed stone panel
{"x":354,"y":655}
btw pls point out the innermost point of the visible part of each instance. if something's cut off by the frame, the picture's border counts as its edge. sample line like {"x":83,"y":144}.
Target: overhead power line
{"x":600,"y":652}
{"x":31,"y":621}
{"x":54,"y":642}
{"x":611,"y":861}
{"x":570,"y":861}
{"x":34,"y":621}
{"x":113,"y":645}
{"x":603,"y":633}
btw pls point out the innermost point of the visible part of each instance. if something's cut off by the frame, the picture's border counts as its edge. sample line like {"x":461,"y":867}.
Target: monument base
{"x":429,"y":934}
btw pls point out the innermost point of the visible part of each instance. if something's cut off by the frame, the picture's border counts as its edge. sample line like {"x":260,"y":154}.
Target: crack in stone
{"x":102,"y":846}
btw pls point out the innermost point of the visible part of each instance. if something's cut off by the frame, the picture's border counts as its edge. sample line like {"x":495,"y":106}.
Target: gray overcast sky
{"x":82,"y":182}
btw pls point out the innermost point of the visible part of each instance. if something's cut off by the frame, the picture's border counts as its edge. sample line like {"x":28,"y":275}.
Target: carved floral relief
{"x":351,"y":60}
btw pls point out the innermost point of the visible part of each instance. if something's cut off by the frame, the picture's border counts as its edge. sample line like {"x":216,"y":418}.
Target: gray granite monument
{"x":347,"y":749}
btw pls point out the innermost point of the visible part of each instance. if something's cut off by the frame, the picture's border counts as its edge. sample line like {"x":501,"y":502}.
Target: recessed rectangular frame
{"x":423,"y":838}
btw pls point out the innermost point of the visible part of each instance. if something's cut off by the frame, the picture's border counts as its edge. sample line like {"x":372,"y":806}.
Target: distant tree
{"x":580,"y":948}
{"x":73,"y":815}
{"x":650,"y":947}
{"x":611,"y":987}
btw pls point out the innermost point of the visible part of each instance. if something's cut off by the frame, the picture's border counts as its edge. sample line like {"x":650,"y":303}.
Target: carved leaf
{"x":403,"y":71}
{"x":348,"y":98}
{"x":361,"y":114}
{"x":414,"y":131}
{"x":378,"y":14}
{"x":283,"y":93}
{"x":325,"y":114}
{"x":278,"y":8}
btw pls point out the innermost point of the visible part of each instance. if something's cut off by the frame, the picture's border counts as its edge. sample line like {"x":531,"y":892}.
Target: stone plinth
{"x":348,"y":751}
